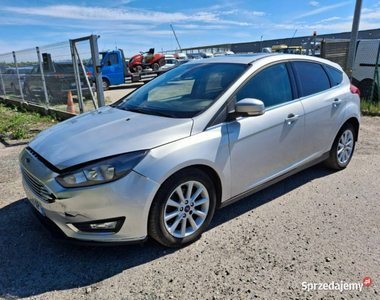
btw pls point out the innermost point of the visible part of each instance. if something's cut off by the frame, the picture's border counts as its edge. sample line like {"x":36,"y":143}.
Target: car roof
{"x":269,"y":57}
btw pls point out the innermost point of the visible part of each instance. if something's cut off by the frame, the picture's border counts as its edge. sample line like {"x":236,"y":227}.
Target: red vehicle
{"x":146,"y":60}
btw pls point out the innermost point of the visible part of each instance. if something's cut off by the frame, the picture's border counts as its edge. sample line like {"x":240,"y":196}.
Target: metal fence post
{"x":77,"y":78}
{"x":354,"y":37}
{"x":97,"y":69}
{"x":43,"y":77}
{"x":85,"y":75}
{"x":2,"y":84}
{"x":18,"y":75}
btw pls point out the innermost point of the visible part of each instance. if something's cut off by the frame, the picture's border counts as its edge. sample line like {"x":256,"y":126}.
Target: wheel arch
{"x":355,"y":123}
{"x":213,"y":175}
{"x":106,"y":78}
{"x":209,"y":171}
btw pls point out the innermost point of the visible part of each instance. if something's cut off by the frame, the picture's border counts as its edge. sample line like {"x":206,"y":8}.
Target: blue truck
{"x":115,"y":70}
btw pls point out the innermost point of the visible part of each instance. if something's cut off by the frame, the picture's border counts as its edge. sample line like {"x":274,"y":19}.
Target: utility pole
{"x":180,"y":49}
{"x":354,"y":37}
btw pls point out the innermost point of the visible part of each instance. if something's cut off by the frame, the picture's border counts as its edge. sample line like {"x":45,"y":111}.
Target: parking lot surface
{"x":317,"y":226}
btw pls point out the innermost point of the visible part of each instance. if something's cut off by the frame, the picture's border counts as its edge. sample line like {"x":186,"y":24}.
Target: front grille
{"x":37,"y":187}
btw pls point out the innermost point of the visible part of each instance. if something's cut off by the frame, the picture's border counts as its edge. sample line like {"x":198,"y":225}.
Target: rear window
{"x":312,"y":77}
{"x":336,"y":76}
{"x":67,"y":68}
{"x":25,"y":70}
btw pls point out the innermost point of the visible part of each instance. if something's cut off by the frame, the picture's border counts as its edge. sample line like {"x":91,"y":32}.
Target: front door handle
{"x":291,"y":119}
{"x":337,"y":102}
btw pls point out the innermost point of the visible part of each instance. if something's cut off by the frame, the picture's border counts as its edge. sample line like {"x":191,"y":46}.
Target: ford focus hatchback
{"x":160,"y":161}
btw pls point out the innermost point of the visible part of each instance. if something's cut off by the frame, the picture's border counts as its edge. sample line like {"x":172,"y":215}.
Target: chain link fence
{"x":45,"y":76}
{"x":365,"y":68}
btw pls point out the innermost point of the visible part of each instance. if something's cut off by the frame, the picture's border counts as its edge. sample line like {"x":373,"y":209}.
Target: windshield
{"x":101,"y":56}
{"x":185,"y":91}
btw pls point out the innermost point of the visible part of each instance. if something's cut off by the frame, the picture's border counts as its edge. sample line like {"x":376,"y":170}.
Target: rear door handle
{"x":337,"y":102}
{"x":291,"y":119}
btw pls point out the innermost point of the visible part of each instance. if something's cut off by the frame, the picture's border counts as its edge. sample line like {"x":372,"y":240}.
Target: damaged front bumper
{"x":123,"y":205}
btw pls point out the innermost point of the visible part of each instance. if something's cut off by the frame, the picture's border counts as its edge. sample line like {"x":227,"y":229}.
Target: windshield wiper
{"x":147,"y":112}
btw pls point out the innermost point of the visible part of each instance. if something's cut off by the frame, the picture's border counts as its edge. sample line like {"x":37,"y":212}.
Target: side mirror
{"x":250,"y":106}
{"x":109,"y":63}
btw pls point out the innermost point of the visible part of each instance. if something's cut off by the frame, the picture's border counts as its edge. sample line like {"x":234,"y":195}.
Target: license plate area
{"x":37,"y":205}
{"x":73,"y":84}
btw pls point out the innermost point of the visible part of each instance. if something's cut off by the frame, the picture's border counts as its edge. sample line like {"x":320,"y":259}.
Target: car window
{"x":272,"y":86}
{"x":185,"y":91}
{"x":312,"y":77}
{"x":113,"y":58}
{"x":336,"y":76}
{"x":36,"y":69}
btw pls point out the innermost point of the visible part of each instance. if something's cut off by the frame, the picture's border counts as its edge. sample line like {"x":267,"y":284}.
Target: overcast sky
{"x":136,"y":25}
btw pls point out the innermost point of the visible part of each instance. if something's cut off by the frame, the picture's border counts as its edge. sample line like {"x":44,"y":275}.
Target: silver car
{"x":210,"y":132}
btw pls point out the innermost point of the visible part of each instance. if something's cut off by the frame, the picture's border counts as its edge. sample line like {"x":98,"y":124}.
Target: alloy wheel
{"x":186,"y":209}
{"x":345,"y":146}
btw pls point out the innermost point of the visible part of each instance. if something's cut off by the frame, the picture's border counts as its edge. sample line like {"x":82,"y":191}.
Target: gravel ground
{"x":317,"y":227}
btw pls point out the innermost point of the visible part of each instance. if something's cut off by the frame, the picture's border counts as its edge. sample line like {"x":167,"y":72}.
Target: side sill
{"x":275,"y":180}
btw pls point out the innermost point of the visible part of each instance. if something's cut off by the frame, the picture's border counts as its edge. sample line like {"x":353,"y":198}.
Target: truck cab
{"x":114,"y":68}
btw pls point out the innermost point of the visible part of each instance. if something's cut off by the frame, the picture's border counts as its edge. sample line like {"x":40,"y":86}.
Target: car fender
{"x":209,"y":148}
{"x":351,"y":110}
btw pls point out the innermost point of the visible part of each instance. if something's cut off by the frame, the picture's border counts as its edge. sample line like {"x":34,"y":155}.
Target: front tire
{"x":155,"y":66}
{"x":183,"y":208}
{"x":342,"y":149}
{"x":106,"y":84}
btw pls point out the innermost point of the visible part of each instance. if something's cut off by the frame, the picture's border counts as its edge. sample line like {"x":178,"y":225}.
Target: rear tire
{"x":182,"y":208}
{"x":138,"y":69}
{"x":342,"y":149}
{"x":27,"y":93}
{"x":13,"y":89}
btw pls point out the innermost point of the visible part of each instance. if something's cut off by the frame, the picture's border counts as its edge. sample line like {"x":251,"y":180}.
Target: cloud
{"x":329,"y":19}
{"x":322,"y":9}
{"x":333,"y":27}
{"x":371,"y":15}
{"x":254,"y":13}
{"x":195,"y":26}
{"x":366,"y":10}
{"x":314,"y":3}
{"x":119,"y":14}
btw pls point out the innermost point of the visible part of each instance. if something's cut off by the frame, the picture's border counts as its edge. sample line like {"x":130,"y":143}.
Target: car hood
{"x":105,"y":132}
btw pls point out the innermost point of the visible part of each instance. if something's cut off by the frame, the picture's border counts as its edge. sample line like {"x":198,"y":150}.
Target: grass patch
{"x":370,"y":106}
{"x":19,"y":124}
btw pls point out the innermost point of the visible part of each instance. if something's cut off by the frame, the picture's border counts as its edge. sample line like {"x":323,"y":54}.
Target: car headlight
{"x":100,"y":171}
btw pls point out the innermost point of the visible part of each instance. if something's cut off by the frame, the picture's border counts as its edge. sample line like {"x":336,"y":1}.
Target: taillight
{"x":354,"y":90}
{"x":89,"y":73}
{"x":21,"y":78}
{"x":59,"y":75}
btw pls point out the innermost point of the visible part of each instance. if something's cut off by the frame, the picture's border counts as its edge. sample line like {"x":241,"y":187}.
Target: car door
{"x":263,"y":147}
{"x":112,"y":68}
{"x":323,"y":106}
